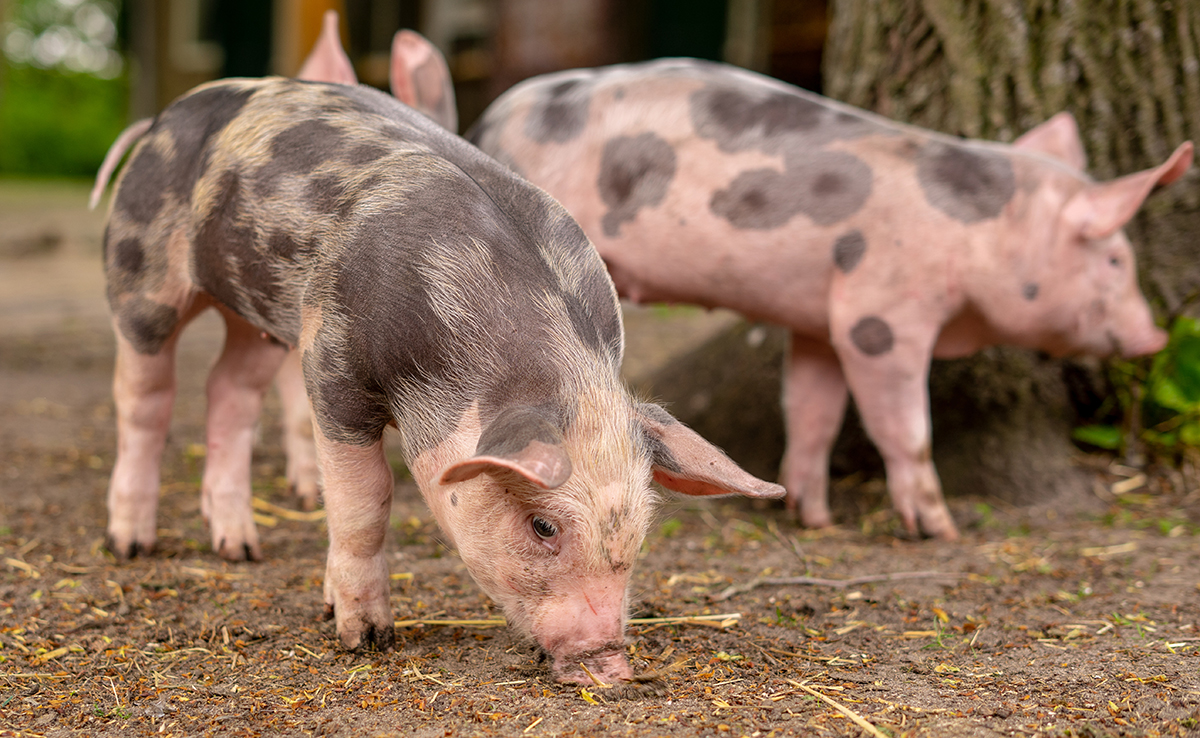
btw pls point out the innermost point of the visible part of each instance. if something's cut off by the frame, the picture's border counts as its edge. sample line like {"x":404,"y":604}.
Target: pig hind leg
{"x":303,"y":475}
{"x":144,"y":393}
{"x":814,"y":403}
{"x":358,"y":503}
{"x":236,"y":386}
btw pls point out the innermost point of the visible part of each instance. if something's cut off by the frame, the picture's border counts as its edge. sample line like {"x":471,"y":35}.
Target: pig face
{"x":1079,"y":293}
{"x":550,"y":526}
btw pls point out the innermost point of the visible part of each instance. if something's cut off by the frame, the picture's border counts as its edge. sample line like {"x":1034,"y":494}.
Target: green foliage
{"x":57,"y":123}
{"x":1163,"y":393}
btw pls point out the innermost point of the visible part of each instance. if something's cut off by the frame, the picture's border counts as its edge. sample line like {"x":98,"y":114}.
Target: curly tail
{"x":113,"y":157}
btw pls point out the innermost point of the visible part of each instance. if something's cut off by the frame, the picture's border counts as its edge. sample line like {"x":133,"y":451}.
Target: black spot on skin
{"x":561,"y":115}
{"x":192,"y":121}
{"x":828,"y":187}
{"x":656,"y":413}
{"x":635,"y":172}
{"x":330,"y":194}
{"x":739,"y":116}
{"x":143,"y":187}
{"x":297,"y":151}
{"x":365,"y":154}
{"x":514,"y":428}
{"x":848,"y":250}
{"x":128,"y":256}
{"x":967,"y":184}
{"x":872,"y":336}
{"x":225,"y":261}
{"x":737,"y":120}
{"x":453,"y":499}
{"x":1030,"y":291}
{"x":660,"y":453}
{"x":146,"y":324}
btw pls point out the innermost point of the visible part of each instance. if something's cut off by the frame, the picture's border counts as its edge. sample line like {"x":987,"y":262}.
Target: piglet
{"x":423,"y":286}
{"x":878,"y":245}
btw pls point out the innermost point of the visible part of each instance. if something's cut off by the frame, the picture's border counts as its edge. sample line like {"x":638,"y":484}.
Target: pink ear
{"x":1099,"y":210}
{"x":420,"y":78}
{"x":684,"y":462}
{"x":544,"y":464}
{"x":328,"y":61}
{"x":1057,"y":138}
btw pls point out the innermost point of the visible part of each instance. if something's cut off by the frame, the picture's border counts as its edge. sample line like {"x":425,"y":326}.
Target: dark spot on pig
{"x":224,"y":247}
{"x":143,"y":187}
{"x":635,"y":172}
{"x":967,"y":184}
{"x":737,"y":120}
{"x":283,"y":245}
{"x":872,"y":336}
{"x":828,"y":187}
{"x":330,"y":194}
{"x":619,"y":93}
{"x":1030,"y":290}
{"x":146,"y":324}
{"x":757,"y":199}
{"x":515,"y":428}
{"x":453,"y":499}
{"x":192,"y":121}
{"x":656,"y":414}
{"x":297,"y":150}
{"x":365,"y":154}
{"x":832,"y":185}
{"x":848,"y":250}
{"x":128,"y":256}
{"x":561,"y":114}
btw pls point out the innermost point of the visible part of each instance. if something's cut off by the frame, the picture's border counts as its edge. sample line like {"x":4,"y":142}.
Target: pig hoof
{"x":131,"y":550}
{"x":370,"y":638}
{"x":245,"y":552}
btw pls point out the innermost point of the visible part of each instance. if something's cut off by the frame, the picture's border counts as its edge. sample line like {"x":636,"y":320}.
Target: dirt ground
{"x":1076,"y":617}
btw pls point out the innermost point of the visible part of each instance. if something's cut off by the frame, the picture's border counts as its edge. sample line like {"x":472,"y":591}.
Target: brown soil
{"x":1074,"y":617}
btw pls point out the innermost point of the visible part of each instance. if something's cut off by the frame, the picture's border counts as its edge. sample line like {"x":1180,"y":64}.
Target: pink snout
{"x":609,"y":667}
{"x":1146,"y":342}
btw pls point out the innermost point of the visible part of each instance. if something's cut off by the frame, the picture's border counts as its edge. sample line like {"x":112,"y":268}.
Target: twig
{"x":596,"y":681}
{"x":657,"y":674}
{"x":736,"y":589}
{"x":858,"y":719}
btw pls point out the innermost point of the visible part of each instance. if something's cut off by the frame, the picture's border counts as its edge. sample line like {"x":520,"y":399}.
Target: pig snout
{"x":585,"y":629}
{"x":1147,"y":342}
{"x":608,"y":666}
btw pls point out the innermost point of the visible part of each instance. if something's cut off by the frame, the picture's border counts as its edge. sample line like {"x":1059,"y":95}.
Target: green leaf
{"x":1101,"y":436}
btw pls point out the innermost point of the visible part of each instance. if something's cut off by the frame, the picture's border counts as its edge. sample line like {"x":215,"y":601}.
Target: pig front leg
{"x":144,"y":393}
{"x":236,"y":386}
{"x":358,"y":503}
{"x":814,"y":403}
{"x":303,"y":475}
{"x":886,"y":363}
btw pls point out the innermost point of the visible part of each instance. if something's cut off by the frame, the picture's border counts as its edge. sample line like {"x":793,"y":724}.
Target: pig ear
{"x":520,"y":440}
{"x":420,"y":78}
{"x":1099,"y":210}
{"x":684,"y":462}
{"x":1057,"y":138}
{"x":328,"y":61}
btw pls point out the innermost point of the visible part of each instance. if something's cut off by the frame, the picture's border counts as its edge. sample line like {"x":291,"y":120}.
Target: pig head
{"x":423,"y":286}
{"x":878,"y":245}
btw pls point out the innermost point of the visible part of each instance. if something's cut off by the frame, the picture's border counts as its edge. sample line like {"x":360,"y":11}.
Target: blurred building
{"x":490,"y":44}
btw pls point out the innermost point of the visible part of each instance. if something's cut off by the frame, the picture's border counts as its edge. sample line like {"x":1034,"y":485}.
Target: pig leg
{"x":358,"y":503}
{"x":298,"y":443}
{"x":236,"y":386}
{"x":814,"y":403}
{"x":891,"y":391}
{"x":144,"y":392}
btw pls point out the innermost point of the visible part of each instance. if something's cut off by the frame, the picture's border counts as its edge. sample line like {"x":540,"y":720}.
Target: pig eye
{"x":544,"y":529}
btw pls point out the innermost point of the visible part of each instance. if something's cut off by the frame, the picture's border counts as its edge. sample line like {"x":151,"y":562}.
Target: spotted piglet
{"x":878,"y":245}
{"x":426,"y":287}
